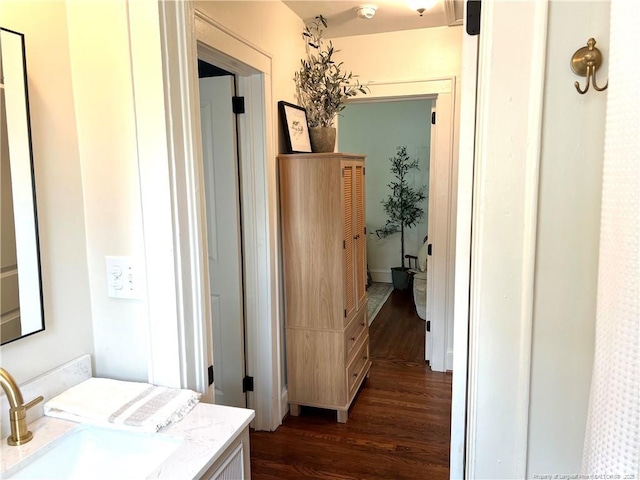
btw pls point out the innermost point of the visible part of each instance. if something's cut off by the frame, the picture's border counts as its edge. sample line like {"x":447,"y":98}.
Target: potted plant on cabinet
{"x":322,"y":86}
{"x":403,"y":210}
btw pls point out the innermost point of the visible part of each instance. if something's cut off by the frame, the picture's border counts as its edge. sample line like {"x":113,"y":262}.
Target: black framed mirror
{"x":21,"y":299}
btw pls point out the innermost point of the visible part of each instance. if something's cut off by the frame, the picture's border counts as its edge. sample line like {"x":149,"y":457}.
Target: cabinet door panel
{"x":360,"y":236}
{"x":312,"y":232}
{"x":349,"y":250}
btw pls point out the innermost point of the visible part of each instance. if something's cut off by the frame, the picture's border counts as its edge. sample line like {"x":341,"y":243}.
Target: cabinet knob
{"x":355,"y":375}
{"x":362,"y":324}
{"x":353,"y":339}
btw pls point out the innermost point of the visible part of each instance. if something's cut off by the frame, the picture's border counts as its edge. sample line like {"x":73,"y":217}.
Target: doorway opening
{"x":440,"y":92}
{"x":259,"y":262}
{"x":223,"y":226}
{"x":379,"y":129}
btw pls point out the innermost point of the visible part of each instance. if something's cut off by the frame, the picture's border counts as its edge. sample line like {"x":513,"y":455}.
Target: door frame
{"x":443,"y":90}
{"x":373,"y":99}
{"x":468,"y":95}
{"x":252,"y":68}
{"x":172,"y":200}
{"x":494,"y":291}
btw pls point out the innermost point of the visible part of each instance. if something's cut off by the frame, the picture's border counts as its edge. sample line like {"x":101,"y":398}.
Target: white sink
{"x":92,"y":452}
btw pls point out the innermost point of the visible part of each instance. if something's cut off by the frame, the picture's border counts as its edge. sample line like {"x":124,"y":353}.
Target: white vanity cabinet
{"x":211,"y":441}
{"x":234,"y":463}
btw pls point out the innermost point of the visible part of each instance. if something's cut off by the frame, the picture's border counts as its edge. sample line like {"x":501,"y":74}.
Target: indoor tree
{"x":402,"y":206}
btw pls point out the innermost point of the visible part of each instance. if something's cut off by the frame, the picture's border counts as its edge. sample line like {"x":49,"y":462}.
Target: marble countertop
{"x":206,"y":432}
{"x":45,"y":430}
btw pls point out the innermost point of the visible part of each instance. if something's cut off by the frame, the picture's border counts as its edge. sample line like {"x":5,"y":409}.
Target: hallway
{"x":398,"y":426}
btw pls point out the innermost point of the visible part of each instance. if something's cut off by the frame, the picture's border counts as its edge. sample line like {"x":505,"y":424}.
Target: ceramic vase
{"x":323,"y":139}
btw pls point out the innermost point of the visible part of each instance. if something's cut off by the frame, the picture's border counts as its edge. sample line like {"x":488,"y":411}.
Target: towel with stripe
{"x":129,"y":405}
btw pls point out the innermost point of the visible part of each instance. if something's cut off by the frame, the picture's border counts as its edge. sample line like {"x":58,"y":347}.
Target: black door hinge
{"x":210,"y":374}
{"x":247,"y":384}
{"x":345,"y":313}
{"x":237,"y":104}
{"x":344,"y":244}
{"x":429,"y":249}
{"x":433,"y":118}
{"x":473,"y":16}
{"x":428,"y":326}
{"x":364,"y":170}
{"x":365,"y":229}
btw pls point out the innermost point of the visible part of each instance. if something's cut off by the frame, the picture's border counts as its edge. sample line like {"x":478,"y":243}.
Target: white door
{"x":223,"y":238}
{"x":439,"y":343}
{"x":431,"y":230}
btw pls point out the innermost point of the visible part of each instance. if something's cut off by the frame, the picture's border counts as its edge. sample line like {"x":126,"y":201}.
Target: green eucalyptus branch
{"x":321,"y":84}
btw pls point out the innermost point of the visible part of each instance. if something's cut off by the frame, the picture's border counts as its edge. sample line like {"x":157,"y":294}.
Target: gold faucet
{"x":17,"y":410}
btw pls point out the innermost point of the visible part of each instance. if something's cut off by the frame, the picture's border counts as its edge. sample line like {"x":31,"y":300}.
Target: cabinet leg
{"x":343,"y":416}
{"x":294,"y":409}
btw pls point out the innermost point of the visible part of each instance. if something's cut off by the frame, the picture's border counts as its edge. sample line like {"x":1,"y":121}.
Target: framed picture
{"x":296,"y":130}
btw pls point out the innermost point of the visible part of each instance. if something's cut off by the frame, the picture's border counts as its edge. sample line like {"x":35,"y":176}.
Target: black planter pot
{"x":400,"y":278}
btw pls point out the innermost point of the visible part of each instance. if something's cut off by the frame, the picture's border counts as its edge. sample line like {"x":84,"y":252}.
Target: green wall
{"x":376,"y":129}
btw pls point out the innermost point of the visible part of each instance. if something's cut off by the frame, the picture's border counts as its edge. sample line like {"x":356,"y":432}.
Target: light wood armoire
{"x":322,"y":211}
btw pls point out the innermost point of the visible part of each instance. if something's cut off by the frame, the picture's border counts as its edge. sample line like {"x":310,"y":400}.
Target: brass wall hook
{"x":585,"y":62}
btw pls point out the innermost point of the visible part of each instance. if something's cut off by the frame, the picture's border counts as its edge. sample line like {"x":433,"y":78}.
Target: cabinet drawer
{"x":361,"y":310}
{"x":358,"y":365}
{"x":354,"y":332}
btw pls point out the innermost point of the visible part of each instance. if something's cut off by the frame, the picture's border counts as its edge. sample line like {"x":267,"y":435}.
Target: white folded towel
{"x":130,"y":405}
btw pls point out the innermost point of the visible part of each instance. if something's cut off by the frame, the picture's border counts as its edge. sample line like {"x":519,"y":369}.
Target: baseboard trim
{"x":382,"y":275}
{"x":449,"y":361}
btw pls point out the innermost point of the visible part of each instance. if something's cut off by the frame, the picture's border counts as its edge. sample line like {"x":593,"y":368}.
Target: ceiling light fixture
{"x":366,"y":11}
{"x":421,"y":6}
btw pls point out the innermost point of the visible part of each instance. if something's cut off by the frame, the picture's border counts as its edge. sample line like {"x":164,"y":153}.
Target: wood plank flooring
{"x":399,"y":424}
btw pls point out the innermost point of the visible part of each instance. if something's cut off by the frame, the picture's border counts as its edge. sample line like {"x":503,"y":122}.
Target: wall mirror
{"x":21,"y":305}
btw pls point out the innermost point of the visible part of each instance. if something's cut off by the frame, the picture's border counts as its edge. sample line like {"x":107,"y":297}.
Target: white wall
{"x":273,"y":28}
{"x":567,"y":243}
{"x":403,"y":56}
{"x":59,"y":193}
{"x":103,"y":92}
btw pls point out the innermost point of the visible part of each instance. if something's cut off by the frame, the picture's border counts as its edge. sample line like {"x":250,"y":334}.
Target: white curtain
{"x":612,"y":441}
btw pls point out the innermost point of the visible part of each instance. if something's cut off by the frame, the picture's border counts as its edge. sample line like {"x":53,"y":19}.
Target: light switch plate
{"x":122,"y":278}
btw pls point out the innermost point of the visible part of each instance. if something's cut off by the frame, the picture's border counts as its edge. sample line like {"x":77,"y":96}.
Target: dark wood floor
{"x":398,"y":425}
